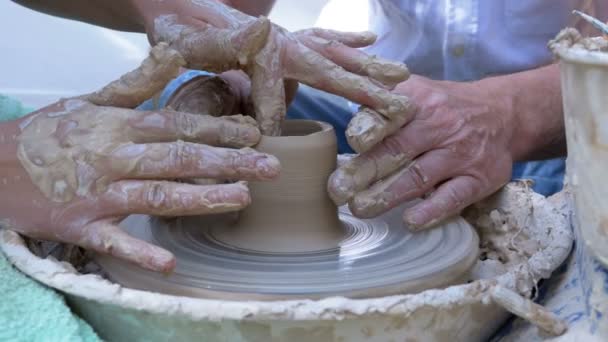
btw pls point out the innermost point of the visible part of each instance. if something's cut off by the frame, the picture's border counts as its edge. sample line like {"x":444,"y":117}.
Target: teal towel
{"x":11,"y":109}
{"x":30,"y":311}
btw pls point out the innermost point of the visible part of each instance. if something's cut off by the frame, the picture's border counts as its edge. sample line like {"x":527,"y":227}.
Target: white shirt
{"x":460,"y":39}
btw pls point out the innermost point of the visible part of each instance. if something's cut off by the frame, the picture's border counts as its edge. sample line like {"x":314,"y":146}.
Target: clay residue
{"x":571,"y":38}
{"x":368,"y":128}
{"x":503,"y":244}
{"x":522,"y":307}
{"x":150,"y":77}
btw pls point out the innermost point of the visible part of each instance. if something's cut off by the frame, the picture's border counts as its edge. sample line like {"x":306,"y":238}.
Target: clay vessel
{"x":293,"y":213}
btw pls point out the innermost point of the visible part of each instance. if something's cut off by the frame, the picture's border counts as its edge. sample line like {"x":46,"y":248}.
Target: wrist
{"x":503,"y":95}
{"x":144,"y":13}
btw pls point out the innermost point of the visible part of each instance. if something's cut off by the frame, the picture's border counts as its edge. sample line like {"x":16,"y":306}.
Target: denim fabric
{"x":170,"y":88}
{"x":548,"y":175}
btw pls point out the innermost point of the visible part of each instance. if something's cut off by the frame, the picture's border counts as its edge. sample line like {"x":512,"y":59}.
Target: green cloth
{"x":30,"y":311}
{"x":11,"y":109}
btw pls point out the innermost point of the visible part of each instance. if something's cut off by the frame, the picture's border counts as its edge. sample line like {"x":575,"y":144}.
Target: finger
{"x":133,"y":88}
{"x":350,"y":39}
{"x":161,"y":198}
{"x":447,"y":201}
{"x":158,"y":126}
{"x":309,"y":67}
{"x":382,"y":160}
{"x":407,"y":184}
{"x":367,"y":128}
{"x":205,"y":47}
{"x":107,"y":238}
{"x":268,"y":89}
{"x":388,"y":73}
{"x":187,"y":160}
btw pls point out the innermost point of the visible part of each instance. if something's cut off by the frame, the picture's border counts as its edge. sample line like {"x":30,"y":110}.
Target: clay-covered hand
{"x":81,"y":165}
{"x":214,"y":37}
{"x":455,"y":151}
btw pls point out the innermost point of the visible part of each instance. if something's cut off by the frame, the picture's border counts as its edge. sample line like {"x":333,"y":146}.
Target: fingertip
{"x":242,"y":192}
{"x":364,"y":207}
{"x":251,"y":136}
{"x":414,"y":218}
{"x":239,"y":131}
{"x":340,"y":187}
{"x":418,"y":219}
{"x":388,"y":73}
{"x":363,"y":132}
{"x":269,"y":167}
{"x":165,"y":263}
{"x":228,"y":197}
{"x":368,"y":37}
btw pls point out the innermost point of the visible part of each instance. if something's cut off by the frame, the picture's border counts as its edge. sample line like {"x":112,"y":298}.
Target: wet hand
{"x":214,"y":37}
{"x":82,"y":165}
{"x":455,"y":151}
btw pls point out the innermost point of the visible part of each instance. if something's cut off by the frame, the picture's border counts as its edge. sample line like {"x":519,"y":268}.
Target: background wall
{"x":43,"y":58}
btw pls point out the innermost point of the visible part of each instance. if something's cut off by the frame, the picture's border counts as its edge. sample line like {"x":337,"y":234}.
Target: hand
{"x":214,"y":37}
{"x":82,"y":165}
{"x":455,"y":151}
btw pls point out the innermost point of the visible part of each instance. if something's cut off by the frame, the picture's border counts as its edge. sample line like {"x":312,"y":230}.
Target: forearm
{"x":533,"y":99}
{"x":253,"y":8}
{"x":114,"y":14}
{"x":129,"y":15}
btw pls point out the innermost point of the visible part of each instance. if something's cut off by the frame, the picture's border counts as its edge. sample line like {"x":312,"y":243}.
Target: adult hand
{"x":81,"y":165}
{"x":214,"y":37}
{"x":456,"y":150}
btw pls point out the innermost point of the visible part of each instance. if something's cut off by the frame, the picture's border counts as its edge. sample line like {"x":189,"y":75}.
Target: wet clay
{"x":162,"y":65}
{"x":226,"y":39}
{"x":293,"y":213}
{"x":368,"y":127}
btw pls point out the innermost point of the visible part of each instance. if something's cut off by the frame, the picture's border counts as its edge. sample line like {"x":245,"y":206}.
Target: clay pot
{"x":293,"y":213}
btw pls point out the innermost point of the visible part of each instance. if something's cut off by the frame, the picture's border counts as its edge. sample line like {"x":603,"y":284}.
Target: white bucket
{"x":584,"y":76}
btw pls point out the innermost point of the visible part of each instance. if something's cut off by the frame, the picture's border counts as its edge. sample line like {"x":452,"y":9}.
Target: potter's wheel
{"x":292,"y":242}
{"x":375,"y":257}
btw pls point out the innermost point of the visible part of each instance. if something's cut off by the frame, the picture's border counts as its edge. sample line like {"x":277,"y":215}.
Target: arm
{"x":85,"y":163}
{"x":128,"y":15}
{"x":253,"y":8}
{"x":114,"y":14}
{"x":534,"y":99}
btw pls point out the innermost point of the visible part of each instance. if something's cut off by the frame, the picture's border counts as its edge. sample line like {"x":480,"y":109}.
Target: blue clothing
{"x":170,"y":88}
{"x":548,"y":175}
